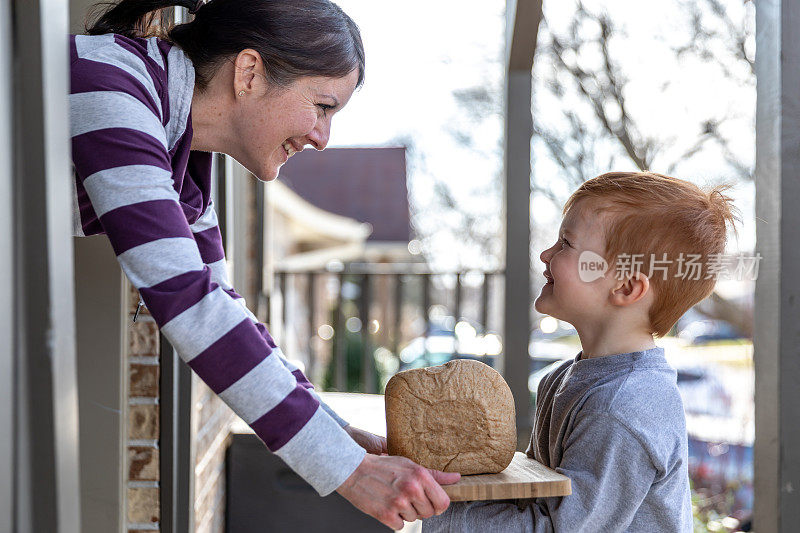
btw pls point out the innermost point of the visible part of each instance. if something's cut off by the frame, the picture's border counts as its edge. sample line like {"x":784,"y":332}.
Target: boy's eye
{"x":564,"y":241}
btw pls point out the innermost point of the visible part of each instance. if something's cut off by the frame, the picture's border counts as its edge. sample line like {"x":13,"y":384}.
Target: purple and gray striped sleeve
{"x":209,"y":242}
{"x":122,"y":156}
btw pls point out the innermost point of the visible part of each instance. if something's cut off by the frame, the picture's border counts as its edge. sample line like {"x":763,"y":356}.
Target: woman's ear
{"x":630,"y":290}
{"x":248,"y":71}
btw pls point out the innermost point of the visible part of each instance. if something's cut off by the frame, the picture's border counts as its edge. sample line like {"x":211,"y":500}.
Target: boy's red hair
{"x":648,"y":213}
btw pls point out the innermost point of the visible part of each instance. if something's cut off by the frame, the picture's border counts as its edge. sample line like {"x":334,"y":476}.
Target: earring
{"x":241,"y":93}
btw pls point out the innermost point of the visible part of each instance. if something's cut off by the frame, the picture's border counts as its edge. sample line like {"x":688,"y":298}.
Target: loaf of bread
{"x":458,"y":417}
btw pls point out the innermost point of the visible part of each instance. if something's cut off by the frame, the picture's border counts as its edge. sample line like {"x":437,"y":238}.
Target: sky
{"x":419,"y":52}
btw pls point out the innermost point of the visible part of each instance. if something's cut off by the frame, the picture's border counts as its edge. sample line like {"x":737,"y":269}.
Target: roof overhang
{"x":310,"y":224}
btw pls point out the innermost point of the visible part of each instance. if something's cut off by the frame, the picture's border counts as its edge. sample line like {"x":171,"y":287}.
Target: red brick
{"x":142,"y":463}
{"x":143,"y":338}
{"x":144,"y":381}
{"x":143,"y":505}
{"x":143,"y":422}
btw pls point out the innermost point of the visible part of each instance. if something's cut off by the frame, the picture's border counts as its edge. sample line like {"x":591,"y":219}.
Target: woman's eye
{"x":325,"y":108}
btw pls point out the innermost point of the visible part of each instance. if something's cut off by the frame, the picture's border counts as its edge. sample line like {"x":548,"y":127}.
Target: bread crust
{"x":457,"y":417}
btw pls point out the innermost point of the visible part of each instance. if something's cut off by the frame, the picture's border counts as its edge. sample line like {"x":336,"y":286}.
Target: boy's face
{"x":566,"y":296}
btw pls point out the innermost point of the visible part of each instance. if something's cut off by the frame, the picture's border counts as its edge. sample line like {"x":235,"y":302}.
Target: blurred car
{"x":703,"y":393}
{"x":709,"y":330}
{"x":440,"y":345}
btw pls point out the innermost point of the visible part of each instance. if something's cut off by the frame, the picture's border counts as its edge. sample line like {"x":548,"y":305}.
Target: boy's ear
{"x":630,"y":290}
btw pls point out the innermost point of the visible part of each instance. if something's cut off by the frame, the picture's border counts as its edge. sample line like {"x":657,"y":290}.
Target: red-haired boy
{"x":612,"y":418}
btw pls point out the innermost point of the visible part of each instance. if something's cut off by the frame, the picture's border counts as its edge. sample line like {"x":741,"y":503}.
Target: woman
{"x":257,"y":80}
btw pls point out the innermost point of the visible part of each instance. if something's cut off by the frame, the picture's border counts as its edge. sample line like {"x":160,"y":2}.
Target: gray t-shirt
{"x":615,"y":426}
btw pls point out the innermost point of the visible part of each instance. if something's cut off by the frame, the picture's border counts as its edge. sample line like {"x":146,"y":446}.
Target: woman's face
{"x":271,"y":124}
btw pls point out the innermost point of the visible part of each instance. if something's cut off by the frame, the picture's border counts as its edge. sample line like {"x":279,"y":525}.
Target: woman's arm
{"x":121,"y":157}
{"x":209,"y":242}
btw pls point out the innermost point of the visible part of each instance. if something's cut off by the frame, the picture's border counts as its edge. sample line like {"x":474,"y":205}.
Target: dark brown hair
{"x":294,"y":37}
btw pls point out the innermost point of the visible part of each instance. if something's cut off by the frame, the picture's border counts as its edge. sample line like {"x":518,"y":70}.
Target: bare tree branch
{"x":578,"y":64}
{"x":734,"y":35}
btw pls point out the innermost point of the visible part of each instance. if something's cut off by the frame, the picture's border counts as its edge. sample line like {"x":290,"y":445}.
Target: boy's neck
{"x":613,"y":339}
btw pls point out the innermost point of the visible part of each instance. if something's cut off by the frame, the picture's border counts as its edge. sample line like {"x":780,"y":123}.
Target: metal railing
{"x":391,"y":304}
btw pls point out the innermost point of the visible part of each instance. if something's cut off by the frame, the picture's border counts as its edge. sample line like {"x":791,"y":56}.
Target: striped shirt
{"x":138,"y":182}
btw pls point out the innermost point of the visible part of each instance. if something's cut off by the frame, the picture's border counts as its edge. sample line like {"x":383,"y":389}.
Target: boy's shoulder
{"x":637,"y":392}
{"x":646,"y":400}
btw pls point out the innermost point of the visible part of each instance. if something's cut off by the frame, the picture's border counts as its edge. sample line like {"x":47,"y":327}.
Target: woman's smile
{"x":290,"y":148}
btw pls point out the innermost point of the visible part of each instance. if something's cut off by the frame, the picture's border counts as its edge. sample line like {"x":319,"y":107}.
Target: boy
{"x":612,"y":419}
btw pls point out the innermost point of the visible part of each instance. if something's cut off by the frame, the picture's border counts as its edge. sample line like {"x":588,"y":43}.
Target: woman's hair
{"x":294,"y":37}
{"x":659,"y":217}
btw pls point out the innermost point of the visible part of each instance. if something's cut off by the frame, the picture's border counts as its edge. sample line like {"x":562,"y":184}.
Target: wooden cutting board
{"x":524,"y":478}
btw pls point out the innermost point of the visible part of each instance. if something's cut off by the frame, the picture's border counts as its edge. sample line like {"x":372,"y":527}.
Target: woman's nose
{"x":320,"y":135}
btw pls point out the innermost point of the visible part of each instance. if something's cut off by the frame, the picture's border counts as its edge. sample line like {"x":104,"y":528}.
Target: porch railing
{"x":377,"y":307}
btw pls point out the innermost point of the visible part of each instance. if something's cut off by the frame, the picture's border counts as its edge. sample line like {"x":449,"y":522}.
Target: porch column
{"x":777,"y":300}
{"x":8,"y":399}
{"x":46,"y":420}
{"x":522,"y":24}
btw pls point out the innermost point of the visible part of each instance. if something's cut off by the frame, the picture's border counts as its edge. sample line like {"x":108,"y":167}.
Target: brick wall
{"x":211,"y":421}
{"x":142,"y":360}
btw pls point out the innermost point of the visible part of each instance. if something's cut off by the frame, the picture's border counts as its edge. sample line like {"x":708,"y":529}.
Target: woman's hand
{"x":393,"y":489}
{"x":374,"y":444}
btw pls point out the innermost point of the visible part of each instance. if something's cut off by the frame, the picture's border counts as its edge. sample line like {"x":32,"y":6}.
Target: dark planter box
{"x":264,"y":495}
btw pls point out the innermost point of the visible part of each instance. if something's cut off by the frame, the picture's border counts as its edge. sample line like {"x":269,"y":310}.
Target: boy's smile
{"x":565,"y":295}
